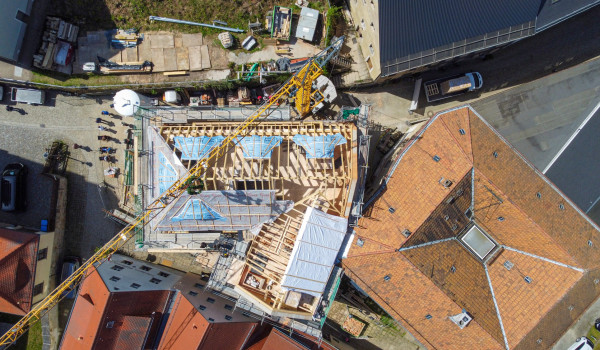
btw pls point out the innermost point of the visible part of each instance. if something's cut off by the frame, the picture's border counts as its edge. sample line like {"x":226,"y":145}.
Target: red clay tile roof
{"x":275,"y":339}
{"x":18,"y":258}
{"x":543,"y":254}
{"x":121,"y":320}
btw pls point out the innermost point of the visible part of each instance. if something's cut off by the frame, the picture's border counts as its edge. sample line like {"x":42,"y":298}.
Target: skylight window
{"x":478,"y":242}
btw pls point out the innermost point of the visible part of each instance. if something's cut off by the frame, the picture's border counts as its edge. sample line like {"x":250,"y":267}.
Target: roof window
{"x":561,"y":206}
{"x":478,"y":242}
{"x":461,"y":131}
{"x":528,"y":279}
{"x":387,"y":278}
{"x":495,"y":154}
{"x":428,"y":316}
{"x":391,"y":210}
{"x":360,"y":242}
{"x":436,"y":158}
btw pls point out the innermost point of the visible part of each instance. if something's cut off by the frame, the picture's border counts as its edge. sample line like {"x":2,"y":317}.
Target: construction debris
{"x":282,"y":23}
{"x":56,"y":51}
{"x":226,"y":39}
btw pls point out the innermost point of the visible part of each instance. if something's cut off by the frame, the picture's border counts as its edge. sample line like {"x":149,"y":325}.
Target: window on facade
{"x":228,"y":318}
{"x":126,"y":262}
{"x":371,"y":49}
{"x":210,"y":300}
{"x":199,"y":285}
{"x":201,"y":307}
{"x":42,"y":254}
{"x":163,"y":274}
{"x":192,"y":293}
{"x":145,"y":268}
{"x":228,"y":307}
{"x":372,"y":26}
{"x":114,"y":278}
{"x":135,"y":286}
{"x":362,"y":23}
{"x":210,"y":319}
{"x":117,"y":268}
{"x":155,"y":280}
{"x":38,"y":289}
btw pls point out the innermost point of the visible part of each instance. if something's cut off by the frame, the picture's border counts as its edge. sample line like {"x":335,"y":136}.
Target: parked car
{"x":582,"y":343}
{"x":29,"y":96}
{"x":70,"y":265}
{"x":1,"y":93}
{"x":13,"y":187}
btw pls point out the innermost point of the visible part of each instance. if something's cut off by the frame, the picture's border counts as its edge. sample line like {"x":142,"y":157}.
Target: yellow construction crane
{"x":301,"y":83}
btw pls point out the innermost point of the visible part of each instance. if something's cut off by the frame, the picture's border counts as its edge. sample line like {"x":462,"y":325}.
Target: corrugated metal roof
{"x":412,"y":28}
{"x":307,"y":24}
{"x":554,"y":11}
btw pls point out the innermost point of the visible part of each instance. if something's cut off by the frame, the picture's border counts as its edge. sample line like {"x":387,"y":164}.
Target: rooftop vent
{"x":436,"y":158}
{"x":392,"y":210}
{"x":462,"y":319}
{"x":453,"y":269}
{"x":590,"y":243}
{"x":509,"y":265}
{"x":539,"y":195}
{"x":561,"y":206}
{"x":495,"y":154}
{"x":360,"y":242}
{"x":447,"y":183}
{"x":406,"y":233}
{"x":110,"y":324}
{"x":461,"y":131}
{"x":528,"y":279}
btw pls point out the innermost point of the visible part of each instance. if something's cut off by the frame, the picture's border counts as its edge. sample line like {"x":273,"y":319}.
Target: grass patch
{"x":109,"y":14}
{"x":31,"y":340}
{"x":55,"y":78}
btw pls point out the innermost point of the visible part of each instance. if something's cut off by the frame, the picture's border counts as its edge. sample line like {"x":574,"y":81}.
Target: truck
{"x":440,"y":89}
{"x":29,"y":96}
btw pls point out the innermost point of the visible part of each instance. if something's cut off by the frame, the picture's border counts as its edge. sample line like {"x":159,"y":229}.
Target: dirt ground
{"x":108,"y":14}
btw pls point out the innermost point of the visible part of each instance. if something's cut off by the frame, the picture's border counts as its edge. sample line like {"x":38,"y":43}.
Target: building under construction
{"x":282,"y":195}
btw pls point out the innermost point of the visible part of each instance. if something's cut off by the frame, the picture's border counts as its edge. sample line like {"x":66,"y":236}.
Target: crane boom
{"x":309,"y":72}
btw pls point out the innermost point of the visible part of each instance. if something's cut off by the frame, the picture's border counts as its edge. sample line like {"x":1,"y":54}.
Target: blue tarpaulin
{"x":194,"y":148}
{"x":196,"y":209}
{"x":259,"y":146}
{"x":166,"y":173}
{"x":319,"y":146}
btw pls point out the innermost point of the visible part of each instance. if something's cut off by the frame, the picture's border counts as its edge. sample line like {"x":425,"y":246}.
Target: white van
{"x":29,"y":96}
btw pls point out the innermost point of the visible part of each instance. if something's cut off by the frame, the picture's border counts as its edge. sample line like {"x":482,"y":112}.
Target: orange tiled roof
{"x":459,"y":176}
{"x":18,"y":258}
{"x":104,"y":320}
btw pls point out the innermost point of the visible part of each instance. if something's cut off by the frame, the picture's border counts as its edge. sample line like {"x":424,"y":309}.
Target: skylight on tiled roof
{"x":478,"y":242}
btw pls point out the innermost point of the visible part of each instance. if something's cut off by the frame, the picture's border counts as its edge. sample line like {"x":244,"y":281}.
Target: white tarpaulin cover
{"x":316,"y":247}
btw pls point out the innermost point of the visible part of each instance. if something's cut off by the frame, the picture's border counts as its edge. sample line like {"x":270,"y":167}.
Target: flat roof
{"x":13,"y":30}
{"x":478,"y":242}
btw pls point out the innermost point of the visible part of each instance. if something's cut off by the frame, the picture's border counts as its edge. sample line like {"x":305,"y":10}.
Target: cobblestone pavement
{"x":72,"y":120}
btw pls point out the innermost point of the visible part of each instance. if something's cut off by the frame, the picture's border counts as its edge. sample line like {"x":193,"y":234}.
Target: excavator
{"x":299,"y":86}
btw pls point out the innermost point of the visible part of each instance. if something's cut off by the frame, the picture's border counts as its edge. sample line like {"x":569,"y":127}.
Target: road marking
{"x":571,"y":138}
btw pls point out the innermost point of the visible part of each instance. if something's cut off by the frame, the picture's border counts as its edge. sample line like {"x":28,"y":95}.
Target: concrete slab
{"x":183,"y":62}
{"x":130,"y":54}
{"x":195,"y":58}
{"x":191,"y":39}
{"x":205,"y":57}
{"x":178,"y":41}
{"x":170,"y":59}
{"x":161,"y":41}
{"x":114,"y":55}
{"x":145,"y":51}
{"x":158,"y":59}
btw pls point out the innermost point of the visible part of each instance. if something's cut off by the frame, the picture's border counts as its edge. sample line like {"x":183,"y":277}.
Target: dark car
{"x":70,"y":265}
{"x":13,"y":187}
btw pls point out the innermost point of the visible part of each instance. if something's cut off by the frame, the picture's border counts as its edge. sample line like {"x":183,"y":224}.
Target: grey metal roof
{"x":13,"y":30}
{"x":576,"y":170}
{"x":307,"y":24}
{"x":554,"y":11}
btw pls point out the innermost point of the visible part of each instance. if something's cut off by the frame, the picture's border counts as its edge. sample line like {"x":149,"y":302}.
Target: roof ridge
{"x":487,"y":275}
{"x":479,"y":173}
{"x":470,"y":160}
{"x":541,"y":258}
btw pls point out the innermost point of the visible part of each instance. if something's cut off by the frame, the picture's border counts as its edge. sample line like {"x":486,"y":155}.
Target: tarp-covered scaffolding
{"x":259,"y":147}
{"x":319,"y":146}
{"x":315,"y":250}
{"x":195,"y":148}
